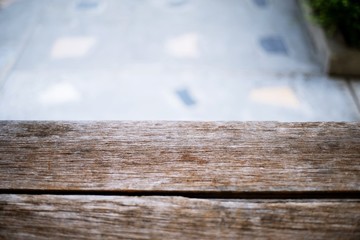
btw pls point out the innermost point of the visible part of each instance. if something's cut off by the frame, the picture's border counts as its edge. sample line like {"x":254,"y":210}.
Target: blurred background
{"x":164,"y":60}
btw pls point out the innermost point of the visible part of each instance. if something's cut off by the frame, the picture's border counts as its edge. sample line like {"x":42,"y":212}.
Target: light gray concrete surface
{"x":355,"y":87}
{"x":16,"y":25}
{"x":164,"y":60}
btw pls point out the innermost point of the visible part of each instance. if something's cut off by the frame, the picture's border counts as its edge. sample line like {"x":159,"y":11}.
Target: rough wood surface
{"x":180,"y":156}
{"x":99,"y":217}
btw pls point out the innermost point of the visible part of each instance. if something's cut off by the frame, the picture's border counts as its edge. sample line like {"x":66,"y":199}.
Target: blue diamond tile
{"x":185,"y":96}
{"x":261,"y":3}
{"x":87,"y":5}
{"x":273,"y":45}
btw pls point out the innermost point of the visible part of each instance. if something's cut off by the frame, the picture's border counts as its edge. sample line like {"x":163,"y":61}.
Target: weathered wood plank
{"x":180,"y":156}
{"x":89,"y":217}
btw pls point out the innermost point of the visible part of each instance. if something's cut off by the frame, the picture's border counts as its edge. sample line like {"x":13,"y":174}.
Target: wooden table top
{"x":179,"y":180}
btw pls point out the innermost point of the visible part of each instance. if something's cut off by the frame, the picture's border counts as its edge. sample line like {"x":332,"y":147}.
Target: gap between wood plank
{"x":197,"y":194}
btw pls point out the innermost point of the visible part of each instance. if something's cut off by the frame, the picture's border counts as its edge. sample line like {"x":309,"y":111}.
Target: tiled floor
{"x":164,"y":60}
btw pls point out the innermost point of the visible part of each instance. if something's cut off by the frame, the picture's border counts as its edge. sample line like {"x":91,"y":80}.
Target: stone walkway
{"x":164,"y":60}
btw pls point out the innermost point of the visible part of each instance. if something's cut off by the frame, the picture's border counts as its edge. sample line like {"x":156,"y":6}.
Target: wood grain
{"x":110,"y":217}
{"x":180,"y":156}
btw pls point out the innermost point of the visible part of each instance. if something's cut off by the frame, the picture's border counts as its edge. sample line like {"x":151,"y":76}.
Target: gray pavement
{"x":164,"y":60}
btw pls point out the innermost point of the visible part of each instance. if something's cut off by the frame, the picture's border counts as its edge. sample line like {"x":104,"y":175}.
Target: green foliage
{"x":339,"y":15}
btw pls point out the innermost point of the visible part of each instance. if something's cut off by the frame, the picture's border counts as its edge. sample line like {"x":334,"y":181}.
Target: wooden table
{"x":179,"y":180}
